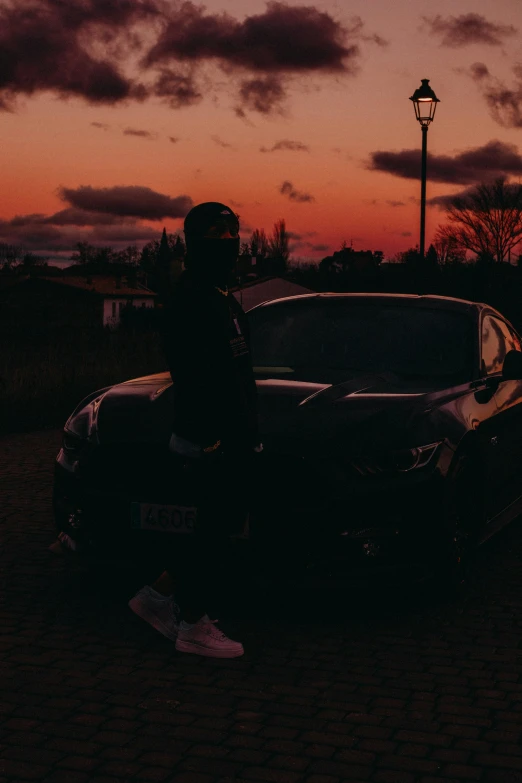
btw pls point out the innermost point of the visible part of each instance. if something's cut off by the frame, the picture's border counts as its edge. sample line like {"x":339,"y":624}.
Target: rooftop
{"x":101,"y":284}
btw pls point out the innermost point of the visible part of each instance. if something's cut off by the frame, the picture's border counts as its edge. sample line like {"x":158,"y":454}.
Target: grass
{"x":41,"y":385}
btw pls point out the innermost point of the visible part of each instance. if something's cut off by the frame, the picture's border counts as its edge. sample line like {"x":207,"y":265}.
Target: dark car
{"x":392,"y":432}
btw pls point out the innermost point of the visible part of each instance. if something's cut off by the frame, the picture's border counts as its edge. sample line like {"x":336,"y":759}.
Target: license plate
{"x":170,"y":519}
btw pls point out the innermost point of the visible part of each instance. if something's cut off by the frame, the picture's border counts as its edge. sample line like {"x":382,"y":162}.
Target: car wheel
{"x":456,"y":556}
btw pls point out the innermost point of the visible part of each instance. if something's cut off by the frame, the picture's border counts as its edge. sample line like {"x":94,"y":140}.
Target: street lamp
{"x":424,"y":102}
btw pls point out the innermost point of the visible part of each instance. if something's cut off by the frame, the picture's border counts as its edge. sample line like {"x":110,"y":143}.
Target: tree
{"x":431,"y":258}
{"x":446,"y":247}
{"x":487,"y":220}
{"x":259,"y":243}
{"x":129,"y":255}
{"x":84,"y":254}
{"x":104,"y":256}
{"x":159,"y":258}
{"x":278,"y":244}
{"x":149,"y":252}
{"x":164,"y":254}
{"x":10,"y":255}
{"x":30,"y":261}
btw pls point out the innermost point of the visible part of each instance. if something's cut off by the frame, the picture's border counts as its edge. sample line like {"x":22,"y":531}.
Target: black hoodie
{"x":205,"y":337}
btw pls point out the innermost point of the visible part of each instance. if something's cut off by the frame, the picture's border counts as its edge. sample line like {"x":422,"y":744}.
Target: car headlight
{"x":400,"y":461}
{"x":81,"y":424}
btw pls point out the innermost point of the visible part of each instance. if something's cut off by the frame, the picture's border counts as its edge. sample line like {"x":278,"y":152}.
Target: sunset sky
{"x":118,"y":115}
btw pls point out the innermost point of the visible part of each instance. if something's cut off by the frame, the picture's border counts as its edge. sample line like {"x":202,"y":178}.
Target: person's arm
{"x":250,"y":398}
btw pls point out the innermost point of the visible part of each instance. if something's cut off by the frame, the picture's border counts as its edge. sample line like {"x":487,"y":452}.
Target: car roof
{"x":447,"y":302}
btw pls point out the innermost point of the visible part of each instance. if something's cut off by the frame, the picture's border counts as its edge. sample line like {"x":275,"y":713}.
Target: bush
{"x":41,"y":384}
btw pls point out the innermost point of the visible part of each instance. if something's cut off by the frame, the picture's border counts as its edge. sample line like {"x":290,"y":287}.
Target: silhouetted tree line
{"x":485,"y":221}
{"x":158,"y":262}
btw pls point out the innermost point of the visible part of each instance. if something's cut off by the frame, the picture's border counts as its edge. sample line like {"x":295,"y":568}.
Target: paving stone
{"x":89,"y":694}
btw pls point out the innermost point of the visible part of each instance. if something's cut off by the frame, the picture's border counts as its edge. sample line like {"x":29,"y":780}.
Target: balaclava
{"x":212,"y":260}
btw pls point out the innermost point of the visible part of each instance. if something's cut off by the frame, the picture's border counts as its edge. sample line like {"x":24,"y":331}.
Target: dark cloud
{"x":114,"y":13}
{"x":174,"y":139}
{"x":505,"y":103}
{"x":264,"y":95}
{"x":127,"y":201}
{"x":479,"y":71}
{"x":355,"y":30}
{"x":82,"y":217}
{"x":444,"y":201}
{"x":177,"y":89}
{"x":102,"y":125}
{"x":30,"y":235}
{"x":89,"y":48}
{"x":319,"y":248}
{"x":406,"y":234}
{"x":67,"y":217}
{"x":221,"y":143}
{"x":47,"y":45}
{"x":293,"y":235}
{"x":42,"y":237}
{"x":142,"y":134}
{"x":283,"y":39}
{"x":494,"y":159}
{"x":287,"y":189}
{"x":456,"y":31}
{"x":286,"y":144}
{"x":392,"y":203}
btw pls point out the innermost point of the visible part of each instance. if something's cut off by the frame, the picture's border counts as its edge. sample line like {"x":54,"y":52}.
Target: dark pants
{"x":224,"y":488}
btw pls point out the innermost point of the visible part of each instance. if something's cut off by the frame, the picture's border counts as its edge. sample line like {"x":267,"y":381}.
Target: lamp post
{"x":424,"y":102}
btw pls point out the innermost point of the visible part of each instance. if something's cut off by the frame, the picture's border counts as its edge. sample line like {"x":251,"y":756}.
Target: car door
{"x":498,"y":445}
{"x":490,"y":433}
{"x":508,"y":398}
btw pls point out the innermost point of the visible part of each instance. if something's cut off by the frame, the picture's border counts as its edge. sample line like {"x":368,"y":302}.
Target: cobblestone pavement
{"x":389,"y":695}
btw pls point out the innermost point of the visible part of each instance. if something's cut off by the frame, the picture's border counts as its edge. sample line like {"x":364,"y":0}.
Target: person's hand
{"x":214,"y":447}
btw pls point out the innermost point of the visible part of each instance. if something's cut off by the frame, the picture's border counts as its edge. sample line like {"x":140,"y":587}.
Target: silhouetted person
{"x":215,"y":430}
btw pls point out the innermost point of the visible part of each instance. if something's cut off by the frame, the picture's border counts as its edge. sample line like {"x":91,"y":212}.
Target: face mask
{"x":212,"y":259}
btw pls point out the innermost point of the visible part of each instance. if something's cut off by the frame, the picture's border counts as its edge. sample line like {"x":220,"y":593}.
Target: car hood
{"x":365,"y":410}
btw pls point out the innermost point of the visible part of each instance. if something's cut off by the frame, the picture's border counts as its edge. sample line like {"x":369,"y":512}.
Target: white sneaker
{"x":203,"y":638}
{"x":158,"y":610}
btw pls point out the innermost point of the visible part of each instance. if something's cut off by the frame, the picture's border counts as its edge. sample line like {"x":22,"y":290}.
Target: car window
{"x":515,"y":339}
{"x":497,"y":340}
{"x":307,"y":338}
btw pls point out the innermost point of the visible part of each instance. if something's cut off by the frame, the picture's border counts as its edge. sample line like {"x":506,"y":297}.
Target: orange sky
{"x":49,"y":142}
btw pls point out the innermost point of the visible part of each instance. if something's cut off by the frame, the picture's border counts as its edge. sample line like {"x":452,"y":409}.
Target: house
{"x":109,"y":292}
{"x":258,"y":291}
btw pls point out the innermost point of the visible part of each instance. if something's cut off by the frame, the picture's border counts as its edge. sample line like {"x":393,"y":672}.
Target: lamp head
{"x":424,"y":102}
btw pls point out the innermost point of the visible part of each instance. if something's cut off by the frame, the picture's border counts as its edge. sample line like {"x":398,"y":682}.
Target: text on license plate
{"x":171,"y":519}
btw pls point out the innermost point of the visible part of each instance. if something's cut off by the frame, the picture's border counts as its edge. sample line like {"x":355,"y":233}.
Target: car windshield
{"x":306,"y":338}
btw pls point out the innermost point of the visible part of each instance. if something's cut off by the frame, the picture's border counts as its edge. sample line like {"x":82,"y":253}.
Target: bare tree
{"x":446,"y":246}
{"x":259,"y":243}
{"x":278,"y":242}
{"x":486,"y":220}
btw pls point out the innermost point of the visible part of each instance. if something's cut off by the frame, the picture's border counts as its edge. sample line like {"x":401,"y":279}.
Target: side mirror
{"x":512,"y":367}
